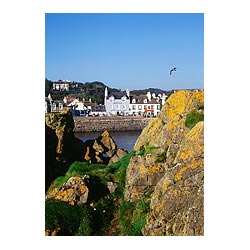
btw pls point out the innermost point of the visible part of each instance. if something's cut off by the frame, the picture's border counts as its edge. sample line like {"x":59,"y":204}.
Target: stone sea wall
{"x":110,"y":123}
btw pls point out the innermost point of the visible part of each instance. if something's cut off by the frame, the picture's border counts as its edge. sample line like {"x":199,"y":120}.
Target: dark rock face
{"x":52,"y":169}
{"x":61,"y":146}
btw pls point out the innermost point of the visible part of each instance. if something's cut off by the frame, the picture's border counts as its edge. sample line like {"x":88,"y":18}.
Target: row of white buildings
{"x":116,"y":103}
{"x":122,"y":103}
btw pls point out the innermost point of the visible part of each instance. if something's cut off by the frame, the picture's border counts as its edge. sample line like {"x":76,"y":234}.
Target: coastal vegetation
{"x":65,"y":219}
{"x":94,"y":217}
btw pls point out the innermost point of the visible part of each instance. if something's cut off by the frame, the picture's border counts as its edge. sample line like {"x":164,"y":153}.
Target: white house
{"x":62,"y":85}
{"x":122,"y":103}
{"x":117,"y":103}
{"x":54,"y":105}
{"x":145,"y":105}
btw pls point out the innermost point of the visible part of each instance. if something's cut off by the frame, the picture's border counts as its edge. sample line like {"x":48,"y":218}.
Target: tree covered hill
{"x":90,"y":90}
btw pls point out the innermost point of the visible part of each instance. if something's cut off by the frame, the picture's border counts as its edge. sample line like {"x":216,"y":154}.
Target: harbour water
{"x":123,"y":139}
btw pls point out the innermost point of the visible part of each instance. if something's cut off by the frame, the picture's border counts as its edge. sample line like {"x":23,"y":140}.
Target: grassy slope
{"x":96,"y":220}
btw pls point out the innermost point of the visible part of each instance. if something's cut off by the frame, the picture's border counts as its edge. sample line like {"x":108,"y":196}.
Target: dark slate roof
{"x":139,"y":99}
{"x":118,"y":95}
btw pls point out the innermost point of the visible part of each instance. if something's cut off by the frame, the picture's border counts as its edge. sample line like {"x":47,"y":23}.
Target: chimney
{"x":149,"y":96}
{"x":127,"y":92}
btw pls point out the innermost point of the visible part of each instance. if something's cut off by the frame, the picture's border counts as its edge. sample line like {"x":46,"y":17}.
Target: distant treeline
{"x":90,"y":90}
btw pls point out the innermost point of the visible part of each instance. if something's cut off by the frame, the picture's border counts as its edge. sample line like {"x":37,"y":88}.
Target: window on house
{"x":158,"y":107}
{"x":133,"y":101}
{"x":145,"y":101}
{"x":145,"y":107}
{"x":152,"y":106}
{"x":140,"y":107}
{"x":123,"y":107}
{"x":134,"y":107}
{"x":54,"y":107}
{"x":60,"y":106}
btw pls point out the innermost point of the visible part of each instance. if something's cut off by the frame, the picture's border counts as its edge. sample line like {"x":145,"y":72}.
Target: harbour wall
{"x":110,"y":123}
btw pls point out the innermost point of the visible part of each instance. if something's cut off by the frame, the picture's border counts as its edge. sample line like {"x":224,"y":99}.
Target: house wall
{"x":138,"y":108}
{"x":117,"y":105}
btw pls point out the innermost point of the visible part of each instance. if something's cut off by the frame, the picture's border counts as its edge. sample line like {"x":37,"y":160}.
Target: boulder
{"x":107,"y":142}
{"x":74,"y":191}
{"x":103,"y":149}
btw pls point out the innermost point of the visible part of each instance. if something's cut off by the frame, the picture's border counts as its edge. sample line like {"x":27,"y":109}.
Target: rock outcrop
{"x":143,"y":173}
{"x":61,"y":146}
{"x":102,"y":150}
{"x":177,"y":201}
{"x":169,"y":165}
{"x":74,"y":191}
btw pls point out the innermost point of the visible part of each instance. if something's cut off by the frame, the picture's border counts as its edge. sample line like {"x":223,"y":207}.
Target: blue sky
{"x":134,"y":51}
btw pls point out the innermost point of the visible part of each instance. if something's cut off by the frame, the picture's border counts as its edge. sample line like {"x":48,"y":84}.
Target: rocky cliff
{"x":169,"y":166}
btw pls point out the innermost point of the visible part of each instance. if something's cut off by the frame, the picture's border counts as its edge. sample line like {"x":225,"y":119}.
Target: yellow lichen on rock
{"x":180,"y":187}
{"x":174,"y":172}
{"x":74,"y":191}
{"x":176,"y":104}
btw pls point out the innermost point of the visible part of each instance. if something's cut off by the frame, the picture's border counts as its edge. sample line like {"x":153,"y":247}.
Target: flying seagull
{"x":173,"y":69}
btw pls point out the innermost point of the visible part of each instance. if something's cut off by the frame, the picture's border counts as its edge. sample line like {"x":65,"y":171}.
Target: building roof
{"x":154,"y":101}
{"x":139,"y":99}
{"x":118,"y":95}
